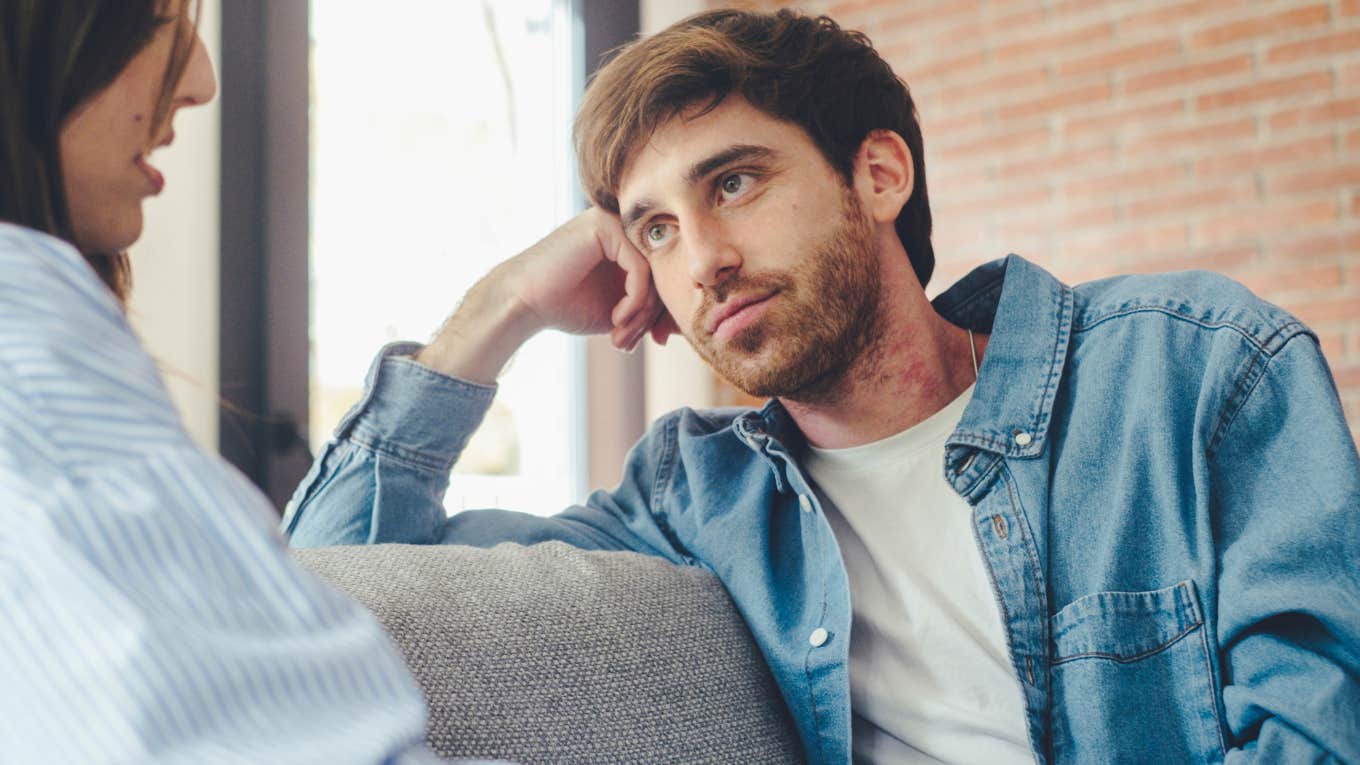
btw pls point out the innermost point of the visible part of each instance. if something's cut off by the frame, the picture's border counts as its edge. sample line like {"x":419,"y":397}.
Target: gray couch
{"x":549,"y":654}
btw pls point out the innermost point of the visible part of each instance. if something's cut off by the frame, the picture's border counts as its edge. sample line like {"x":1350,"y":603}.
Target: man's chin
{"x":767,"y":378}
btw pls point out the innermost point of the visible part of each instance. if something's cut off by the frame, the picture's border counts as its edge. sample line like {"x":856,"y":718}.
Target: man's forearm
{"x":481,"y":335}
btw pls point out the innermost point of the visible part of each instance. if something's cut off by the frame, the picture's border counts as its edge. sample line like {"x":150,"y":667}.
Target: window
{"x":440,"y":139}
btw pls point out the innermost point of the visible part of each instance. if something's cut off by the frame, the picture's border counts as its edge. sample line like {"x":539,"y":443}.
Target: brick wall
{"x":1145,"y":135}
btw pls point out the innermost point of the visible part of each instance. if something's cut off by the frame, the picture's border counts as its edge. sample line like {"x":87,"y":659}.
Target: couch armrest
{"x":553,"y":654}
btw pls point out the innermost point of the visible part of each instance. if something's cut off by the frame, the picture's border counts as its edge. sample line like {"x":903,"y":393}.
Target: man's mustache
{"x":741,"y":284}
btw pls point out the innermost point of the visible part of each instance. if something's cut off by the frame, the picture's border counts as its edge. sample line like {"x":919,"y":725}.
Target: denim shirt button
{"x":818,"y":637}
{"x":1022,"y":438}
{"x":805,"y":503}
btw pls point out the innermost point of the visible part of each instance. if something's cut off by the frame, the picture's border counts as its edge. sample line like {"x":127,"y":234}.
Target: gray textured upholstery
{"x":556,"y":655}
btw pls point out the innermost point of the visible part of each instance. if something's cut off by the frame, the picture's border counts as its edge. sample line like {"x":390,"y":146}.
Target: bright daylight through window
{"x":441,"y":146}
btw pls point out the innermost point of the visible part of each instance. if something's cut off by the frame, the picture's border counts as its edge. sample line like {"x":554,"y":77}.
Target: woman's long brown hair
{"x":54,"y":56}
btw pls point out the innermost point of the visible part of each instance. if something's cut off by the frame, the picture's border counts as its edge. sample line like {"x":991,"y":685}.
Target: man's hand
{"x":584,"y":278}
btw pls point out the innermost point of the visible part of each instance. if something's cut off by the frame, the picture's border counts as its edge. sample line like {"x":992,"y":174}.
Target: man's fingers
{"x":664,"y":327}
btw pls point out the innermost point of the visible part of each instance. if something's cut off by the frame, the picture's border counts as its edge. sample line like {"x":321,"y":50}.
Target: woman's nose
{"x":199,"y":84}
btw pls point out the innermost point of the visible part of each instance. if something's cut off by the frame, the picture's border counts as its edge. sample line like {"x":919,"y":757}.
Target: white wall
{"x":174,"y":304}
{"x":675,"y":376}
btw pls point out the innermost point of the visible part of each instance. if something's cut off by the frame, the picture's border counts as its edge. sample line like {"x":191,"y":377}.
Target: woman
{"x":147,"y":610}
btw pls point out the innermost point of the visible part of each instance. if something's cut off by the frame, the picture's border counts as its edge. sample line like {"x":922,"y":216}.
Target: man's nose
{"x":712,"y":255}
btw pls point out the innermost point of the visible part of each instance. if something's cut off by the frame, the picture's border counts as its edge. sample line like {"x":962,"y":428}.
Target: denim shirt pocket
{"x":1133,"y":679}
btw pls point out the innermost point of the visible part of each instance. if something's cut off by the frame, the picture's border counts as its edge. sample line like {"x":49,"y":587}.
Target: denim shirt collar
{"x":1028,"y":314}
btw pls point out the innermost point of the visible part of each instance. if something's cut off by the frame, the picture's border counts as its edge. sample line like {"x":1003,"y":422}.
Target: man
{"x":1129,"y":534}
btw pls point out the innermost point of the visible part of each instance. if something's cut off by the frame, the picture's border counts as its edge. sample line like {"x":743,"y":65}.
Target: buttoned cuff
{"x":414,"y":413}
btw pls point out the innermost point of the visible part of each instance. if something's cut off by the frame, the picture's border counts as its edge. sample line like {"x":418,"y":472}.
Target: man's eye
{"x":735,"y":184}
{"x":656,"y":233}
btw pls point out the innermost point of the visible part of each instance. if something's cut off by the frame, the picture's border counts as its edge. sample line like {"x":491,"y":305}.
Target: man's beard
{"x":823,"y":319}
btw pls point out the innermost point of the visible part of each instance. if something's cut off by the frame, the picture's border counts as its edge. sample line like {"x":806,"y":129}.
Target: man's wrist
{"x":480,"y":337}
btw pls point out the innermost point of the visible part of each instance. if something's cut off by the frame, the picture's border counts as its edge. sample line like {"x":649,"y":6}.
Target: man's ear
{"x":884,"y":175}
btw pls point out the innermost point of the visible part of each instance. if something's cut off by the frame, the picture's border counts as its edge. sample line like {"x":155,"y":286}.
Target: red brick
{"x":1071,"y":38}
{"x":1268,"y":282}
{"x":1221,"y":260}
{"x":1113,"y":59}
{"x":1066,"y":219}
{"x":1327,"y":45}
{"x":1199,"y":136}
{"x":1346,"y":375}
{"x":1189,"y":202}
{"x":1322,"y":114}
{"x":1021,"y":166}
{"x":990,"y":146}
{"x":939,"y":68}
{"x":1141,"y":178}
{"x":960,"y":36}
{"x":1068,"y":8}
{"x":1350,"y":79}
{"x":1112,"y":121}
{"x":1310,"y":246}
{"x":1187,"y":74}
{"x":1004,"y":199}
{"x":948,"y":122}
{"x":1355,"y":206}
{"x":1057,"y":101}
{"x":1100,"y":216}
{"x":1353,"y":142}
{"x":1344,"y":308}
{"x":917,"y":16}
{"x":1350,"y":7}
{"x":1144,"y":239}
{"x":1252,"y":161}
{"x":1018,"y":79}
{"x":958,"y":179}
{"x":1265,"y":90}
{"x":1023,"y":19}
{"x":838,"y":10}
{"x":1160,"y":17}
{"x":1268,"y":220}
{"x":1333,"y":346}
{"x":1328,"y":178}
{"x":1294,"y":18}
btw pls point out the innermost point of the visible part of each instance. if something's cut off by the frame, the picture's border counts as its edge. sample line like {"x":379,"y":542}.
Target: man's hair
{"x":805,"y":71}
{"x":54,"y":56}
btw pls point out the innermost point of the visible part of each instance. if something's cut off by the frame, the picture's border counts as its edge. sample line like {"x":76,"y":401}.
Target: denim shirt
{"x":1163,"y":488}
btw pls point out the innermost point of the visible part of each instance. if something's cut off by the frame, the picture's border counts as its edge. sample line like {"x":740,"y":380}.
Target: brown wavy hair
{"x":54,"y":56}
{"x":802,"y":70}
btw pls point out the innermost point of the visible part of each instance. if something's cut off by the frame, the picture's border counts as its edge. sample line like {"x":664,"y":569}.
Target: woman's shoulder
{"x":69,"y":363}
{"x":42,"y":266}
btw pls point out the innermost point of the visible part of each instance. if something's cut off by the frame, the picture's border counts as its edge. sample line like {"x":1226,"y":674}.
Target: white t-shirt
{"x":930,"y":674}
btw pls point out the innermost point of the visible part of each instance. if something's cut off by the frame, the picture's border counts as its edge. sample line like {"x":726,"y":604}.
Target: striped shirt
{"x":148,"y":611}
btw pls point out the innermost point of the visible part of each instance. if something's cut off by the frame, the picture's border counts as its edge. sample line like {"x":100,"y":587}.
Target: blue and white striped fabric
{"x":148,"y":612}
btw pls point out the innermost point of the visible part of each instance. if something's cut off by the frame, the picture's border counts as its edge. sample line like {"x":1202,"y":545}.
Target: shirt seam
{"x":1241,"y":329}
{"x":405,"y":456}
{"x":1247,"y":384}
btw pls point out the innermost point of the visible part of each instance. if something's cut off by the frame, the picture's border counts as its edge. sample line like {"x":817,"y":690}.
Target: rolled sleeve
{"x":413,"y":413}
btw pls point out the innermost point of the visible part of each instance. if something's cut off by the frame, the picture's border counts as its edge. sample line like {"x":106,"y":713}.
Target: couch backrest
{"x":556,"y":655}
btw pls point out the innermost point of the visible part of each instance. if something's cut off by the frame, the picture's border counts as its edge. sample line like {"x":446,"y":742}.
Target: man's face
{"x":758,"y":249}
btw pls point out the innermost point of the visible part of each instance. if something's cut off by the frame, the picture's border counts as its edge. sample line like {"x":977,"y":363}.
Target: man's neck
{"x":918,"y":364}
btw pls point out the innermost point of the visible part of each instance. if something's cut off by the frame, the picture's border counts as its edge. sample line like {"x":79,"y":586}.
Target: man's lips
{"x":733,"y":306}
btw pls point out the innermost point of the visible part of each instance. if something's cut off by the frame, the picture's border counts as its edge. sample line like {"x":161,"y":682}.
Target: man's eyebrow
{"x":639,"y":209}
{"x":698,"y":171}
{"x":742,"y":151}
